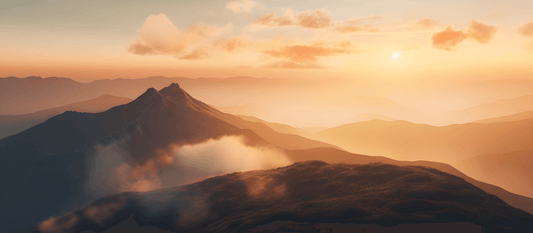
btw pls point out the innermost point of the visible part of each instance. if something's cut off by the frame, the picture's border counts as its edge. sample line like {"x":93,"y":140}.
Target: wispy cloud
{"x":243,"y":6}
{"x":481,"y":33}
{"x":310,"y":53}
{"x":526,"y":30}
{"x":229,"y":44}
{"x":426,"y":23}
{"x":308,"y":19}
{"x":351,"y":29}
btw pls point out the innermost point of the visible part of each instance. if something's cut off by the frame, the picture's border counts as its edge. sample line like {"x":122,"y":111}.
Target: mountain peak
{"x":151,"y":99}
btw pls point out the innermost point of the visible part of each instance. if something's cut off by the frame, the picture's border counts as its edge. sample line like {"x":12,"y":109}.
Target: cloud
{"x":308,"y":19}
{"x":310,"y":53}
{"x":159,"y":36}
{"x":243,"y":6}
{"x":526,"y":30}
{"x":229,"y":154}
{"x":271,"y":20}
{"x":229,"y":44}
{"x":314,"y":19}
{"x":196,"y":54}
{"x":351,"y":29}
{"x":449,"y":38}
{"x":293,"y":65}
{"x":482,"y":33}
{"x":426,"y":24}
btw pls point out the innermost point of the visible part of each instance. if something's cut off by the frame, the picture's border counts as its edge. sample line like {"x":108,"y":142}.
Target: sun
{"x":395,"y":55}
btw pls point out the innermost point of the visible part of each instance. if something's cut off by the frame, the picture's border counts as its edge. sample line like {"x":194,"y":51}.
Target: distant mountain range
{"x":452,"y":144}
{"x":495,"y":109}
{"x":310,"y":196}
{"x":514,"y":117}
{"x":13,"y":124}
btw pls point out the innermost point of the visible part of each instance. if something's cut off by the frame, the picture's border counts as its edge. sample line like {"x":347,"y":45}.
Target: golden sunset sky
{"x":439,"y":39}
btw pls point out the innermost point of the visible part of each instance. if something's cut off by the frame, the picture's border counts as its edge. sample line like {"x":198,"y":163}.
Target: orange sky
{"x":481,"y":39}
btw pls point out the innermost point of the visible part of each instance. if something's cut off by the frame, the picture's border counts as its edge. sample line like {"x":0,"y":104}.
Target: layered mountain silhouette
{"x":45,"y":167}
{"x":495,"y":109}
{"x":310,"y":196}
{"x":513,"y":117}
{"x":451,"y":144}
{"x":13,"y":124}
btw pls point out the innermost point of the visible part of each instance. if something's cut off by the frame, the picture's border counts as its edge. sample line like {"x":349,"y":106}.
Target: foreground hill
{"x":306,"y":197}
{"x":13,"y":124}
{"x":332,"y":155}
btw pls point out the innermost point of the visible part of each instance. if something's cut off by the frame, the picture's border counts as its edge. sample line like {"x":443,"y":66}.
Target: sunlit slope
{"x":305,"y":195}
{"x":512,"y":171}
{"x":514,"y":117}
{"x":12,"y":124}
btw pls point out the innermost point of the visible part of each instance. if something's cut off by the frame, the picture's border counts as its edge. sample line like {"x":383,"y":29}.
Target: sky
{"x":88,"y":40}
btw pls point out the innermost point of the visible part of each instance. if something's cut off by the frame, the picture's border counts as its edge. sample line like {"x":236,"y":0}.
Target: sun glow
{"x":395,"y":55}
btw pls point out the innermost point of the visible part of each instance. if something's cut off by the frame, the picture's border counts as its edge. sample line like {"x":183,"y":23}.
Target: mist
{"x":113,"y":170}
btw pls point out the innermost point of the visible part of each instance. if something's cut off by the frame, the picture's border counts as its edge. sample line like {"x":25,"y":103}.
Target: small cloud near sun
{"x":448,"y":39}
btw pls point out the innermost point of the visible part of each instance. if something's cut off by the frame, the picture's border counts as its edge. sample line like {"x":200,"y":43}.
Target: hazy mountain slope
{"x":331,"y":155}
{"x":514,"y":117}
{"x":46,"y":167}
{"x":54,"y":92}
{"x":251,"y":109}
{"x":368,"y":117}
{"x":512,"y":171}
{"x":13,"y":124}
{"x":282,"y":128}
{"x":306,"y":194}
{"x":495,"y":109}
{"x":450,"y":144}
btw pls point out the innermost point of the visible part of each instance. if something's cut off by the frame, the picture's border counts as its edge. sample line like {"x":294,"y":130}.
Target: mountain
{"x":13,"y":124}
{"x":514,"y":117}
{"x":315,"y":129}
{"x":310,"y":196}
{"x":45,"y":168}
{"x":332,"y":155}
{"x":512,"y":171}
{"x":50,"y":168}
{"x":452,"y":144}
{"x":55,"y":92}
{"x":495,"y":109}
{"x":282,"y":128}
{"x":368,"y":116}
{"x":251,"y":109}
